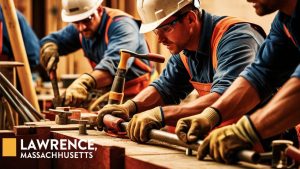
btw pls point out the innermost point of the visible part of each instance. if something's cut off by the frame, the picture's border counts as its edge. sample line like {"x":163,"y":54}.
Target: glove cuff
{"x":248,"y":130}
{"x":132,"y":107}
{"x":212,"y":115}
{"x":91,"y":81}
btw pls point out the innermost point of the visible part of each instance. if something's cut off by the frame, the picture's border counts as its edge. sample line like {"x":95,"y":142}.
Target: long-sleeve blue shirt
{"x":30,"y":39}
{"x":123,"y":33}
{"x":279,"y":58}
{"x":236,"y":49}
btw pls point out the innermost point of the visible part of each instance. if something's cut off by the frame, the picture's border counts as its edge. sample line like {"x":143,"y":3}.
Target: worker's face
{"x":89,"y":26}
{"x":263,"y":7}
{"x":174,"y":34}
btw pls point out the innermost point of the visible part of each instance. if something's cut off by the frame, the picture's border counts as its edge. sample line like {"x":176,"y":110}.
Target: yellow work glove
{"x":49,"y":50}
{"x":190,"y":129}
{"x":223,"y":144}
{"x":77,"y":92}
{"x":140,"y":125}
{"x":123,"y":110}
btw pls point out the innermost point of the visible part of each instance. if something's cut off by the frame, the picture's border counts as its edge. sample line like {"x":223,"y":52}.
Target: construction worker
{"x":101,"y":32}
{"x":276,"y":66}
{"x":215,"y":50}
{"x":31,"y":41}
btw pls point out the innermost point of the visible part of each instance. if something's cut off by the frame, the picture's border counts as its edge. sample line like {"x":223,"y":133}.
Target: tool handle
{"x":155,"y":57}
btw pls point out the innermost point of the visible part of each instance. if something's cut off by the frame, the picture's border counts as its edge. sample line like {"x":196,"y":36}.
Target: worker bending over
{"x":276,"y":66}
{"x":214,"y":50}
{"x":101,"y":32}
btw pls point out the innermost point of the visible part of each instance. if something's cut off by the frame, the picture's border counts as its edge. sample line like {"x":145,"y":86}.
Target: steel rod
{"x":20,"y":96}
{"x":244,"y":155}
{"x":12,"y":103}
{"x":21,"y":106}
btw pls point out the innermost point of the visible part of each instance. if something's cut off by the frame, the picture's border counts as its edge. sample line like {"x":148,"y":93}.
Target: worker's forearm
{"x":173,"y":113}
{"x":281,"y":113}
{"x":147,"y":99}
{"x":103,"y":78}
{"x":239,"y":99}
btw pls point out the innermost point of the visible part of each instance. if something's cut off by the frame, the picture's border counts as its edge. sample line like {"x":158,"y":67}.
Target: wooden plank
{"x":151,"y":155}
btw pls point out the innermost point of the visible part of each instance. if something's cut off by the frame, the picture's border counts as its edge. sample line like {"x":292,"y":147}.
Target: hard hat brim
{"x":79,"y":17}
{"x":153,"y":25}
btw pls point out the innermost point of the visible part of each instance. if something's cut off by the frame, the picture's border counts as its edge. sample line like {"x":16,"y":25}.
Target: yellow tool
{"x":116,"y":93}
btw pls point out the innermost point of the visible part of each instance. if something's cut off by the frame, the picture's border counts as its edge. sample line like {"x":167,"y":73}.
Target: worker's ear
{"x":191,"y":17}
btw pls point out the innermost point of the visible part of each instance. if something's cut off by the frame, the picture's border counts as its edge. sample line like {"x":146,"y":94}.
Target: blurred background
{"x":44,"y":17}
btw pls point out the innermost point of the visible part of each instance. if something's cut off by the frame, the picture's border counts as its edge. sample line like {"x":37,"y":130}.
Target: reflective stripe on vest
{"x":288,"y":34}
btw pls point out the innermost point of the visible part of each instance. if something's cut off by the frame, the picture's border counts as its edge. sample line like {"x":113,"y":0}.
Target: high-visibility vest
{"x":134,"y":86}
{"x":221,"y":27}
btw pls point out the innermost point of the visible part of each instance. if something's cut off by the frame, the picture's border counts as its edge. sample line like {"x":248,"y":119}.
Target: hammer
{"x":116,"y":93}
{"x":51,"y":68}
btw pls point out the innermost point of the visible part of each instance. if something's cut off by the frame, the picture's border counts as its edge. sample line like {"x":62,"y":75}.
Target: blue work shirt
{"x":236,"y":50}
{"x":123,"y":33}
{"x":279,"y":58}
{"x":30,"y":39}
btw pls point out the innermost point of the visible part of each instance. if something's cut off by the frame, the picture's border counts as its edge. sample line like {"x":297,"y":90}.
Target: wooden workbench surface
{"x":161,"y":155}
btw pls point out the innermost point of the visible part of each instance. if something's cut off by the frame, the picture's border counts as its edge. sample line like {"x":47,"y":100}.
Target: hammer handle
{"x":155,"y":57}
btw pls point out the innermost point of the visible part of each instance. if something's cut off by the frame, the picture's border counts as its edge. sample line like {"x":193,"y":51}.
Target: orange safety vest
{"x":221,"y":27}
{"x":134,"y":86}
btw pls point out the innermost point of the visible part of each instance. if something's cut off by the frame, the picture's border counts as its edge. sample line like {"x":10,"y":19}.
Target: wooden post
{"x":19,"y":51}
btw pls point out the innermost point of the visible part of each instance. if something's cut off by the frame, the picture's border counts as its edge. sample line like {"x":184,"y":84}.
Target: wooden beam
{"x":19,"y":52}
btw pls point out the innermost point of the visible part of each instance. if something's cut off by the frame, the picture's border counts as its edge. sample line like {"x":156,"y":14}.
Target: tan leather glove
{"x":190,"y":129}
{"x":223,"y":144}
{"x":49,"y":50}
{"x":77,"y":92}
{"x":140,"y":125}
{"x":124,"y":111}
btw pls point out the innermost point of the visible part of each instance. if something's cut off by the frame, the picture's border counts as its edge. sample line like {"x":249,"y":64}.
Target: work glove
{"x":139,"y":126}
{"x":77,"y":92}
{"x":49,"y":50}
{"x":224,"y":143}
{"x":192,"y":128}
{"x":123,"y":111}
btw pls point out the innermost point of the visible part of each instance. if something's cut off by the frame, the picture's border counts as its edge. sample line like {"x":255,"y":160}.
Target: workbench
{"x":111,"y":153}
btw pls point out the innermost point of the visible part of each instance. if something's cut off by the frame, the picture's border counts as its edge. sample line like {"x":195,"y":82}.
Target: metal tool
{"x":279,"y":157}
{"x":57,"y":100}
{"x":62,"y":114}
{"x":116,"y":93}
{"x":121,"y":125}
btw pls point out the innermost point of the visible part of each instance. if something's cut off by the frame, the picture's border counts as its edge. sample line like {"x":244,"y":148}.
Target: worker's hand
{"x":190,"y":129}
{"x":49,"y":50}
{"x":123,"y":111}
{"x":140,"y":125}
{"x":77,"y":92}
{"x":223,"y":144}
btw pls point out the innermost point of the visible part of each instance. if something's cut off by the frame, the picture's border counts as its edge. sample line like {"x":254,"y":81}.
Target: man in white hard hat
{"x":215,"y":50}
{"x":101,"y":32}
{"x":277,"y":65}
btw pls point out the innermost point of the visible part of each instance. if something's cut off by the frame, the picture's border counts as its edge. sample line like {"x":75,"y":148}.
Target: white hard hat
{"x":76,"y":10}
{"x":155,"y":12}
